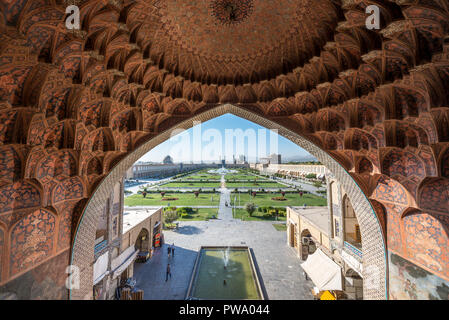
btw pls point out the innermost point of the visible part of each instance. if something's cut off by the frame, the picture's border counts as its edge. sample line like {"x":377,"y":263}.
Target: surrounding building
{"x":290,"y":170}
{"x":272,"y":159}
{"x":143,"y":170}
{"x":242,"y":159}
{"x":120,"y":237}
{"x":167,"y":160}
{"x":335,"y":232}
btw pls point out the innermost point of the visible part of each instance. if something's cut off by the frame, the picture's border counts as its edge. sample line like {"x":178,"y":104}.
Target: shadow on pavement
{"x":189,"y":230}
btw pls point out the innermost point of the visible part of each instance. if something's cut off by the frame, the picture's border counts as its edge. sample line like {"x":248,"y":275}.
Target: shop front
{"x":157,"y":235}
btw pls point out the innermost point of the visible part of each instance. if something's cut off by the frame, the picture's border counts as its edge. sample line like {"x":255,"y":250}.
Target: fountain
{"x":221,"y":171}
{"x":224,"y":273}
{"x":225,"y":257}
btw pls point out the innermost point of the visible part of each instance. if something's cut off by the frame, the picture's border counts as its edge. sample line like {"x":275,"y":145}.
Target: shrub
{"x":317,"y":184}
{"x":311,"y":176}
{"x":187,"y":210}
{"x":170,"y":216}
{"x":169,"y":199}
{"x":279,"y":198}
{"x":250,"y":208}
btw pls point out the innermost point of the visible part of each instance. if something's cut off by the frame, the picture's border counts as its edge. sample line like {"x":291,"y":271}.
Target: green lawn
{"x":293,"y":199}
{"x":242,"y":177}
{"x":257,"y":216}
{"x":191,"y":185}
{"x":202,"y":177}
{"x":280,"y":226}
{"x":184,"y":200}
{"x":255,"y":185}
{"x":201,"y":214}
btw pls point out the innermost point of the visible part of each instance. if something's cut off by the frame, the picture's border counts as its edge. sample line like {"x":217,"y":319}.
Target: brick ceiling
{"x":276,"y":36}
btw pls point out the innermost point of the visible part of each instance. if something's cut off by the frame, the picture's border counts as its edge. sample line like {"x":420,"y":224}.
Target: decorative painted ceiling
{"x":74,"y":103}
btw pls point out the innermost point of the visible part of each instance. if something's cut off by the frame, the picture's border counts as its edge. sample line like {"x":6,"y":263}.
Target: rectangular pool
{"x":225,"y":273}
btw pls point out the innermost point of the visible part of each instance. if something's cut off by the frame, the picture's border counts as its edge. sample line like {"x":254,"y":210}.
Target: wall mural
{"x":410,"y":282}
{"x":2,"y":234}
{"x":47,"y":281}
{"x":32,"y":240}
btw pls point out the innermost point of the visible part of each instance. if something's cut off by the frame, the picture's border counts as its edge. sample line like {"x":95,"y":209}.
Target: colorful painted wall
{"x":410,"y":282}
{"x":47,"y":281}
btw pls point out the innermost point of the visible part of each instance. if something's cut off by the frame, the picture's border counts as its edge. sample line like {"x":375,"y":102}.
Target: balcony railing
{"x":353,"y":249}
{"x":100,"y":246}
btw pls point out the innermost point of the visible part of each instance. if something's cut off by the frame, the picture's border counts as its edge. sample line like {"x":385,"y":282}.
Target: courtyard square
{"x":282,"y":275}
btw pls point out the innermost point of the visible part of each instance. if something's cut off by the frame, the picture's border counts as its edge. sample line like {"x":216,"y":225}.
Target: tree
{"x":170,"y":216}
{"x":317,"y":184}
{"x":250,"y":208}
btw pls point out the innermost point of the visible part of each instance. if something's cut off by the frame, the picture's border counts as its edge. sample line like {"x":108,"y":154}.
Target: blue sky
{"x":224,"y":136}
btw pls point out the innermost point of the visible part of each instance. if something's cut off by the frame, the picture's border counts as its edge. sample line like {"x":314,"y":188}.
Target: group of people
{"x":170,"y":252}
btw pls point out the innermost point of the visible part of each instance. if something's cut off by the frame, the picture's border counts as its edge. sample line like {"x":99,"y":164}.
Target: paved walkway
{"x":278,"y":264}
{"x":224,"y":212}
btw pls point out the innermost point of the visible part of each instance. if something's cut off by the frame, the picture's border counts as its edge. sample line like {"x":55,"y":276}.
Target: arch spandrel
{"x":116,"y":87}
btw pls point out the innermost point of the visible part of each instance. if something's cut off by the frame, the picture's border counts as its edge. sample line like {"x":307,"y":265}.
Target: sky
{"x":226,"y":136}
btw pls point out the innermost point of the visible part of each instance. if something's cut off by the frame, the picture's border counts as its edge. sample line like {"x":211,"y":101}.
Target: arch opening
{"x":374,"y":259}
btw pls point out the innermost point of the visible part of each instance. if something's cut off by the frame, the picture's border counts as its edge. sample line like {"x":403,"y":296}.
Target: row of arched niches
{"x":74,"y":103}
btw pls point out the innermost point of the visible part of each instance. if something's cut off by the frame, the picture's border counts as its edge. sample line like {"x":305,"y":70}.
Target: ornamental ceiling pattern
{"x":74,"y":103}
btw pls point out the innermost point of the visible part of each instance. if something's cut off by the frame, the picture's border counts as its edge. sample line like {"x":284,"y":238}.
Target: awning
{"x":101,"y":277}
{"x":324,"y":272}
{"x":125,"y":264}
{"x":101,"y":267}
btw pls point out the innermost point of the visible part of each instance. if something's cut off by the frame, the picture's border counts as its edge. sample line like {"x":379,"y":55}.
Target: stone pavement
{"x":278,"y":264}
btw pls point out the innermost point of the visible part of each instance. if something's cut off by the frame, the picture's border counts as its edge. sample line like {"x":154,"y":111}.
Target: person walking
{"x":168,"y":273}
{"x":168,"y":251}
{"x":173,"y":249}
